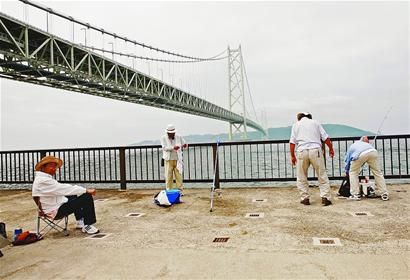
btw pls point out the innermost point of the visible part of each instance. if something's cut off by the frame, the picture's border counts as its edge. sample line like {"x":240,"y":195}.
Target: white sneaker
{"x":90,"y":229}
{"x":80,"y":224}
{"x":385,"y":196}
{"x":181,"y":192}
{"x":354,"y":197}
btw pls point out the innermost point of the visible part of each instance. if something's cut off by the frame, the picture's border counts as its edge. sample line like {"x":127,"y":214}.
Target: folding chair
{"x":50,"y":222}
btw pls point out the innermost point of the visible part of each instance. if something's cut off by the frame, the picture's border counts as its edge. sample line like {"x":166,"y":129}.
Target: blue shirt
{"x":354,"y":152}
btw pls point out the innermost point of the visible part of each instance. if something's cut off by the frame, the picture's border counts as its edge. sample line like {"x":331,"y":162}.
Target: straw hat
{"x":46,"y":160}
{"x":170,"y":129}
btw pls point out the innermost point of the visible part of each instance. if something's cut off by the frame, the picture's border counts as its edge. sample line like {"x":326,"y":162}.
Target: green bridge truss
{"x":31,"y":55}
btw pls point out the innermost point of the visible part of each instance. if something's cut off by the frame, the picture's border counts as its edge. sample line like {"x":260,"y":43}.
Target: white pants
{"x":372,"y":160}
{"x":304,"y":160}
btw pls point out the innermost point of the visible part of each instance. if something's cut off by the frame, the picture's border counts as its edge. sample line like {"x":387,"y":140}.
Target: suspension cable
{"x":249,"y":90}
{"x":214,"y":58}
{"x":89,"y":26}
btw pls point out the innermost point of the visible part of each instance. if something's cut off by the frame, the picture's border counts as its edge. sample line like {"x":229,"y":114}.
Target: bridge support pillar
{"x":236,"y":92}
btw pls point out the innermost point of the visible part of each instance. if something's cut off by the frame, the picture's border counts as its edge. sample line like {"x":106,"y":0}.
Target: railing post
{"x":215,"y":165}
{"x":123,"y":181}
{"x":42,"y":154}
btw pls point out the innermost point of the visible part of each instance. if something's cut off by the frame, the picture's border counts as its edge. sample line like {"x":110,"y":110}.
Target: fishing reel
{"x":367,"y":188}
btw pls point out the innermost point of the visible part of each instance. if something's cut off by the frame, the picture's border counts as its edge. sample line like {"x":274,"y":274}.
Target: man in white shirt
{"x":59,"y":200}
{"x":307,"y":136}
{"x":172,"y":146}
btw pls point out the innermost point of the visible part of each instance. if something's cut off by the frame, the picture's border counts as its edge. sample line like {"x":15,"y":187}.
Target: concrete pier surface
{"x":177,"y":242}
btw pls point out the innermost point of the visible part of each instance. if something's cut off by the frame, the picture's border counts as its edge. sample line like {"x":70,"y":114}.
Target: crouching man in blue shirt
{"x":359,"y":153}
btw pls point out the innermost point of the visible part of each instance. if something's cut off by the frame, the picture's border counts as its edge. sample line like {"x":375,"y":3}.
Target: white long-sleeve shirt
{"x":168,"y":152}
{"x":306,"y":134}
{"x":52,"y":193}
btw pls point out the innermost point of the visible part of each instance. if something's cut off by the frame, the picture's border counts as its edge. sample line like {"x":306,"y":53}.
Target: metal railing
{"x":237,"y":162}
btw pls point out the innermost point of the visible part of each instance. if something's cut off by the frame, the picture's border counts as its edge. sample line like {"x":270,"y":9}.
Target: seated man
{"x":53,"y":194}
{"x":359,"y":153}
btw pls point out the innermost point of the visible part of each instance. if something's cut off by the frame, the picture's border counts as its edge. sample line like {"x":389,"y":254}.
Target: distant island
{"x":278,"y":133}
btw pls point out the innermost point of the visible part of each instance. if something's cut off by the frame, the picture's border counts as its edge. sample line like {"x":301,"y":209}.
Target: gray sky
{"x":345,"y":62}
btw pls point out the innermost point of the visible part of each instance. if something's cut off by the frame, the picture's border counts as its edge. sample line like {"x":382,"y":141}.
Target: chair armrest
{"x":38,"y":203}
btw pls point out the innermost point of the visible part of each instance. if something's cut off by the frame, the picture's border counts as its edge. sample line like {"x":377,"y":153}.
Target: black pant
{"x":82,"y":207}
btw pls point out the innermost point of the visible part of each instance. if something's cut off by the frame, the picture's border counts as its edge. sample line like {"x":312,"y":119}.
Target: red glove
{"x":293,"y":160}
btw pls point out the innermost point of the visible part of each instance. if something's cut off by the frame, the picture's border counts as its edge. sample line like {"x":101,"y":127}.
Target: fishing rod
{"x":383,"y":197}
{"x":377,"y":133}
{"x":214,"y":179}
{"x":381,"y":124}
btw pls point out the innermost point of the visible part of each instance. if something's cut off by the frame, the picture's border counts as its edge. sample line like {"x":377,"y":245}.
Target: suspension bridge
{"x":30,"y":54}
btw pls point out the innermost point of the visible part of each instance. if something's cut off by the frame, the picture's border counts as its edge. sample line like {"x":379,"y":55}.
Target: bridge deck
{"x":177,"y":242}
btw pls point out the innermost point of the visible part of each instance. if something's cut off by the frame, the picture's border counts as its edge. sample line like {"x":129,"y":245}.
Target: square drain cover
{"x":98,"y":236}
{"x":255,"y":215}
{"x":361,"y":214}
{"x":220,"y":239}
{"x":259,"y":200}
{"x":318,"y":241}
{"x":135,"y":215}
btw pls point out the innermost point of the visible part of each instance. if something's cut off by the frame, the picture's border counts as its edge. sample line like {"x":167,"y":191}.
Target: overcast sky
{"x":345,"y":62}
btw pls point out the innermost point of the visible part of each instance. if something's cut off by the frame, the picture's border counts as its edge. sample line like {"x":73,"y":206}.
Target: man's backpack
{"x":344,"y":189}
{"x":3,"y":230}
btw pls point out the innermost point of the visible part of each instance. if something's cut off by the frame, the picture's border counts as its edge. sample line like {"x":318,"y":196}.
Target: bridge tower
{"x":236,"y":92}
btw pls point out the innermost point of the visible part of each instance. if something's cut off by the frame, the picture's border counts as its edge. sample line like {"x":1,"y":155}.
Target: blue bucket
{"x":173,"y":196}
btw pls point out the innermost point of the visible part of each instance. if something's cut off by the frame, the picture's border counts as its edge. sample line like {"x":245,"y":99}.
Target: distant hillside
{"x":278,"y":133}
{"x":334,"y":130}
